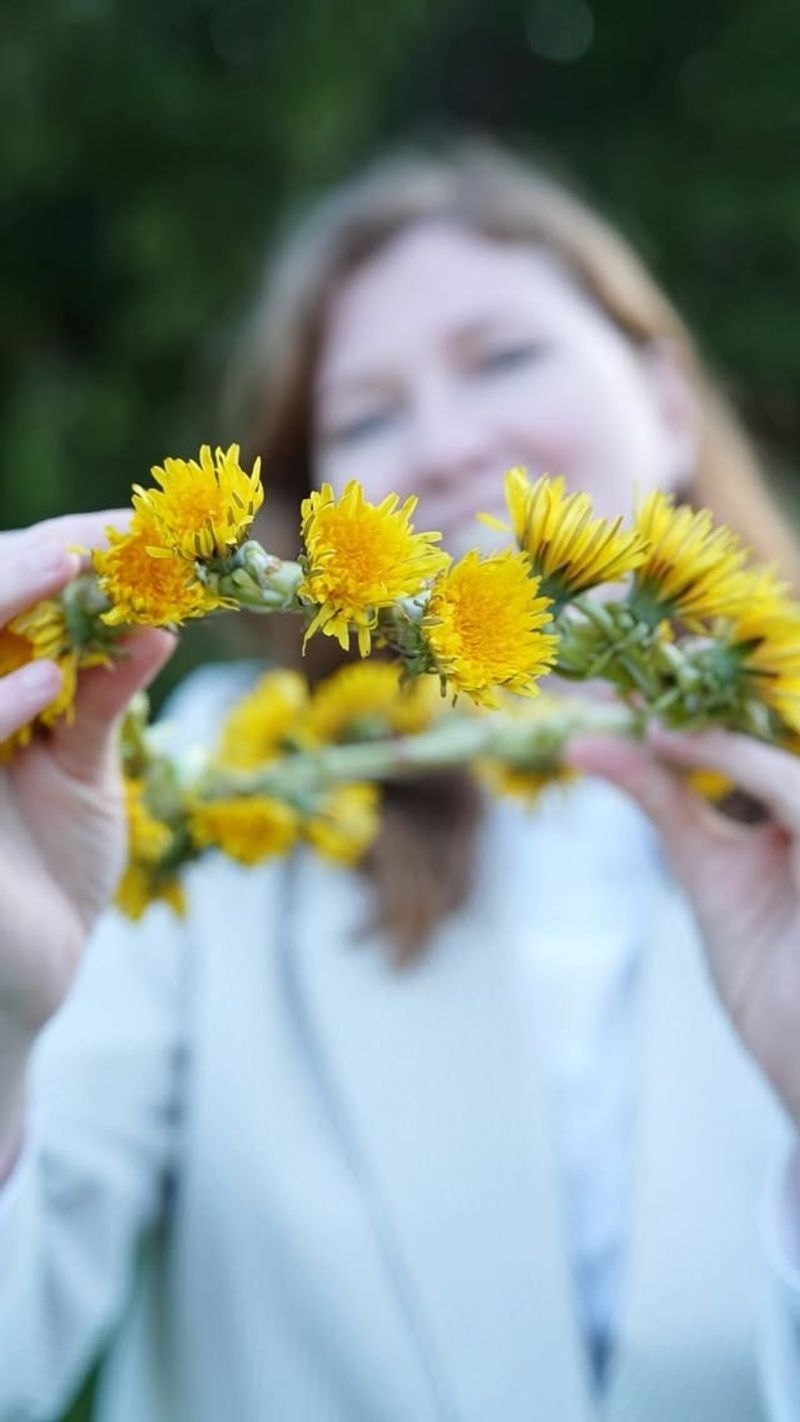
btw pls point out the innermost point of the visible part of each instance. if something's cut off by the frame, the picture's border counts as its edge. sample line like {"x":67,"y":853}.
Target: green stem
{"x":84,"y":604}
{"x":452,"y":742}
{"x":637,"y":675}
{"x":258,"y":580}
{"x":626,"y":640}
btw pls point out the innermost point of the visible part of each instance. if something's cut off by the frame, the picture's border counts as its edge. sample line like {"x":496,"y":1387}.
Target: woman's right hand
{"x":62,"y":812}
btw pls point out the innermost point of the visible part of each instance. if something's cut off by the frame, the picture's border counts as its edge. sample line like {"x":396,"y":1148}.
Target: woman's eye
{"x":359,"y":427}
{"x":508,"y":358}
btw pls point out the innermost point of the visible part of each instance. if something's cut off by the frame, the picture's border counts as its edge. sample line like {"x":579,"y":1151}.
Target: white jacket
{"x":286,"y":1182}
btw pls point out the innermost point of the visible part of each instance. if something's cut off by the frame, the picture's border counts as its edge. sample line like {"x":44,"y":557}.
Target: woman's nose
{"x":449,"y":441}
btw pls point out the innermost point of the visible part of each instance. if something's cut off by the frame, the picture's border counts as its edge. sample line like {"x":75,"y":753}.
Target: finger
{"x":36,"y":572}
{"x":102,"y":696}
{"x":678,"y":814}
{"x":26,"y":692}
{"x":766,"y":772}
{"x":35,"y":562}
{"x":68,"y":530}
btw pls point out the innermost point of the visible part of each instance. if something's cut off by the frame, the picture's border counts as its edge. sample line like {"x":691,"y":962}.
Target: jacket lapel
{"x":706,"y":1127}
{"x":433,"y":1076}
{"x":440,"y":1085}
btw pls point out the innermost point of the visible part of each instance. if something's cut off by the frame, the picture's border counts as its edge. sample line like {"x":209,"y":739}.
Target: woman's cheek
{"x":563,"y":432}
{"x":552,"y":438}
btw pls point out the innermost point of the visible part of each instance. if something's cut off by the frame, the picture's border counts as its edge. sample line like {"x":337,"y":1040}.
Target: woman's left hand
{"x":743,"y":881}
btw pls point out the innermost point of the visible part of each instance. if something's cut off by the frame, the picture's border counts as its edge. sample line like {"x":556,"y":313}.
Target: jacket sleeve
{"x":780,"y":1342}
{"x":100,"y":1143}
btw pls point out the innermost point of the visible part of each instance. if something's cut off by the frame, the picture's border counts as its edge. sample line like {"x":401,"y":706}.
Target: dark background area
{"x":151,"y":146}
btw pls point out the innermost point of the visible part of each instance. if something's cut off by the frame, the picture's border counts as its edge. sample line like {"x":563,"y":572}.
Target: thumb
{"x":103,"y":694}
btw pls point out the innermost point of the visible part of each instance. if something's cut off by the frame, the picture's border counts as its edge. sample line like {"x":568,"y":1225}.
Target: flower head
{"x":246,"y":828}
{"x":148,"y":876}
{"x":263,"y":721}
{"x":528,"y":753}
{"x":483,"y":626}
{"x":15,"y":652}
{"x":766,"y":643}
{"x":140,"y":886}
{"x":693,"y":570}
{"x":709,"y":784}
{"x":570,"y":550}
{"x":44,"y":627}
{"x":346,"y":823}
{"x":361,"y":557}
{"x":42,"y":632}
{"x":149,"y":839}
{"x":146,"y":583}
{"x":365,"y":698}
{"x":524,"y":783}
{"x":203,"y":509}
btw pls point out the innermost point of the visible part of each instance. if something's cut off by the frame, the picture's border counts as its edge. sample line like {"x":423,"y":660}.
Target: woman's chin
{"x":464,"y":537}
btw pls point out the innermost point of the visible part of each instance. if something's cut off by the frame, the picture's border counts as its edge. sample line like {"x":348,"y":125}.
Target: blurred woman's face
{"x":449,"y":357}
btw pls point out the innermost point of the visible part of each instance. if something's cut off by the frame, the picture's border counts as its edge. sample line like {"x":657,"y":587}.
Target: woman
{"x":544,"y":1168}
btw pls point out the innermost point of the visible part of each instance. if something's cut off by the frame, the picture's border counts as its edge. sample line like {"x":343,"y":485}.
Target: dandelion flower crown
{"x":669,"y":611}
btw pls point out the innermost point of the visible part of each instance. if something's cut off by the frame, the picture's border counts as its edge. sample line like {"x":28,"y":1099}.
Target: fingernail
{"x":40,"y":677}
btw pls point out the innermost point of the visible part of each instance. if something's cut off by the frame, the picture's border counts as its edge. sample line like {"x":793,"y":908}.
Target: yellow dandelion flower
{"x":37,"y":634}
{"x":693,"y":570}
{"x":146,"y":878}
{"x":710,"y":784}
{"x":368,"y":698}
{"x":140,"y":886}
{"x":15,"y":651}
{"x":525,"y":764}
{"x":570,"y":550}
{"x":767,"y":596}
{"x":361,"y":557}
{"x":45,"y":627}
{"x":523,"y":782}
{"x":149,"y":839}
{"x":345,"y":825}
{"x":264,"y":721}
{"x":246,"y":828}
{"x":203,"y":509}
{"x":145,"y":587}
{"x":41,"y":633}
{"x":483,"y":625}
{"x":63,"y":703}
{"x":766,"y":643}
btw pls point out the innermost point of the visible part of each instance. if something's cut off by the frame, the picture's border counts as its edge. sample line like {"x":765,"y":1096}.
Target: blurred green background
{"x":150,"y":147}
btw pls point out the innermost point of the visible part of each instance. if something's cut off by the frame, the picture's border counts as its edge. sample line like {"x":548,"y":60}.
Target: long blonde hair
{"x":422,"y":863}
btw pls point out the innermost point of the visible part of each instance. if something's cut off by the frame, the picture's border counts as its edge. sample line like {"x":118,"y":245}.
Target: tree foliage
{"x":151,"y":145}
